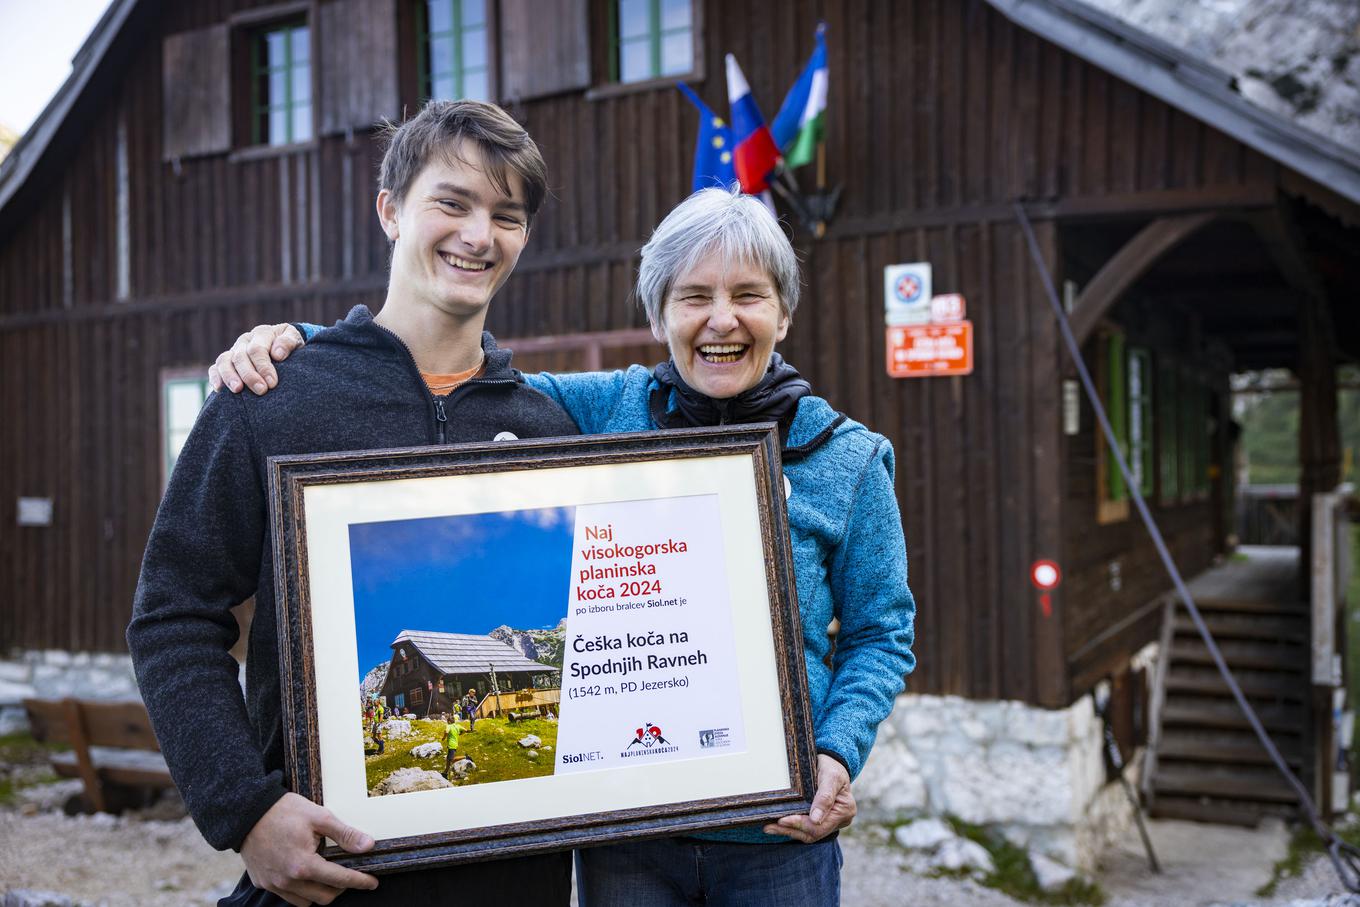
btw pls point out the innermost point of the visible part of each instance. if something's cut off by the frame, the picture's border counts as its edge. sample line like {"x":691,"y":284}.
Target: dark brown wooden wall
{"x":941,"y":113}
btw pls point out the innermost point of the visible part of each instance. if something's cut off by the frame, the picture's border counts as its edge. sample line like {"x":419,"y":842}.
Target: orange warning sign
{"x":930,"y":350}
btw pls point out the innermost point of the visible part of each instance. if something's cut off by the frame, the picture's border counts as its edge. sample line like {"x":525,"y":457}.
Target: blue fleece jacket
{"x":849,"y":557}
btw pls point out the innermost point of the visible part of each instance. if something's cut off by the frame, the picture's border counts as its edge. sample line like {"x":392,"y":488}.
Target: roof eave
{"x":1171,"y":75}
{"x":18,"y":165}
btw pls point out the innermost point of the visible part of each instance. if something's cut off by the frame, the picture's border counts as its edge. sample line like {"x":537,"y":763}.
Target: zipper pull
{"x":442,"y":419}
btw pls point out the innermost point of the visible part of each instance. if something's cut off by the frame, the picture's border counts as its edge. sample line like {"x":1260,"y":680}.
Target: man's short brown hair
{"x":440,"y":128}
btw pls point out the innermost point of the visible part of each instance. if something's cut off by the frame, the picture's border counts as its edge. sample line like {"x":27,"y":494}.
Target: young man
{"x":459,"y":186}
{"x":451,"y":732}
{"x":469,"y":706}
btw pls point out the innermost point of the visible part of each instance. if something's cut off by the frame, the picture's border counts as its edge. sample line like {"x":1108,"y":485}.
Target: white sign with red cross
{"x":907,"y":293}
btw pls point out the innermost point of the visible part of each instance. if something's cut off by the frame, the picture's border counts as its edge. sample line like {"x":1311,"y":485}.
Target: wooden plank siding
{"x":941,"y":114}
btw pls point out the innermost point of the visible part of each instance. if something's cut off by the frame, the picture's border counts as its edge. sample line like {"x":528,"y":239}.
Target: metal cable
{"x":1345,"y":857}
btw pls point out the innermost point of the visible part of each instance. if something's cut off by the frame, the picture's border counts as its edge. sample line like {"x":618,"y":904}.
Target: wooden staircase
{"x":1207,"y":764}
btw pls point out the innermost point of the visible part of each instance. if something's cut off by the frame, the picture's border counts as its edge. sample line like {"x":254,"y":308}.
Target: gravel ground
{"x":156,"y":858}
{"x":1203,"y":866}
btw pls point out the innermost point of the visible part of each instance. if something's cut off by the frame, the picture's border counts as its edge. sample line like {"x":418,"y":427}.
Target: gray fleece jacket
{"x":354,"y":387}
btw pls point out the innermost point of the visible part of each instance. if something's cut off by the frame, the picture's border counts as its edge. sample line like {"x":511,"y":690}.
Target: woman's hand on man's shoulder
{"x":250,"y":361}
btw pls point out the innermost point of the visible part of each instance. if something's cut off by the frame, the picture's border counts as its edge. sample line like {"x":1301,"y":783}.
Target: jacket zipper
{"x":441,"y":419}
{"x":436,"y":404}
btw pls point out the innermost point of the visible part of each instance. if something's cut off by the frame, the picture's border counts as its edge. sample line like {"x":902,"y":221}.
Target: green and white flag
{"x":799,"y":125}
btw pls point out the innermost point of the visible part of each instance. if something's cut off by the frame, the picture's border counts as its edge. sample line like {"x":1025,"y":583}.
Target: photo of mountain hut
{"x":424,"y":739}
{"x":430,"y":672}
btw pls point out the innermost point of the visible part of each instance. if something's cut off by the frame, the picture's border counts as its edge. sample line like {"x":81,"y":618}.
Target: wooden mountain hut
{"x":431,"y":672}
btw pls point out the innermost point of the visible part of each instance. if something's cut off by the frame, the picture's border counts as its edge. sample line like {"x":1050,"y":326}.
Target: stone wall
{"x":55,"y":674}
{"x":1036,"y":775}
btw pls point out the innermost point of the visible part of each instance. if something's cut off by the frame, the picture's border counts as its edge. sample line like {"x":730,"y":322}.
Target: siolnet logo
{"x":649,"y":741}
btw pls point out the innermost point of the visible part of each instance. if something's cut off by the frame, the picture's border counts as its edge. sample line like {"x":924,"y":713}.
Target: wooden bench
{"x":113,"y":749}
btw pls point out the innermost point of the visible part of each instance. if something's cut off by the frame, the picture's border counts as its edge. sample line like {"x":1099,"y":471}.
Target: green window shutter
{"x":1116,"y":405}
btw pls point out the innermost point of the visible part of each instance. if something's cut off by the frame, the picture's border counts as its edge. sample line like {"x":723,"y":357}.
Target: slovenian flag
{"x":798,"y":127}
{"x":756,"y":153}
{"x":713,"y":161}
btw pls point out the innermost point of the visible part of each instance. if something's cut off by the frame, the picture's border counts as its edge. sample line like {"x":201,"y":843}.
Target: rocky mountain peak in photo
{"x":543,"y":646}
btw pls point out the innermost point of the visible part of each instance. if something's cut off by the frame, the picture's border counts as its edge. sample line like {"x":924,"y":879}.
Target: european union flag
{"x":713,"y":162}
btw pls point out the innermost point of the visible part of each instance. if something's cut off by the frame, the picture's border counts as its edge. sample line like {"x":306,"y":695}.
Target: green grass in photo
{"x":493,"y":746}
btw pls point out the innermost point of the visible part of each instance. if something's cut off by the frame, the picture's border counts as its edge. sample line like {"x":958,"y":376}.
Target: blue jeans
{"x":679,"y":872}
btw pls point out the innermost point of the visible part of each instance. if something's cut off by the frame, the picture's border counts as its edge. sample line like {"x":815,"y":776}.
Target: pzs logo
{"x":649,"y":735}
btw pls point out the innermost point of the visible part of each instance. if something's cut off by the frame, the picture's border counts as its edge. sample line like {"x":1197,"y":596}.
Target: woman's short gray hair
{"x":716,"y":222}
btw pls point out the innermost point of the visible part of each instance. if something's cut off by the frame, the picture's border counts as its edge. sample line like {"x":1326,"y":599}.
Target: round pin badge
{"x":506,"y":436}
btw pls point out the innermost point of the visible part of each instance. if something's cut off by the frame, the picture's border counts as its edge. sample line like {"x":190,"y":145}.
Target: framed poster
{"x":498,"y":649}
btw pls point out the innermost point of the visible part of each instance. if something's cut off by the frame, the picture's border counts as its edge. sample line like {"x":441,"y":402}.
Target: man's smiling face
{"x":457,"y":235}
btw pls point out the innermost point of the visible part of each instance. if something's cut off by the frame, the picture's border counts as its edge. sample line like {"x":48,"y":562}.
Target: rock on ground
{"x":530,"y":741}
{"x":1050,"y":874}
{"x":923,"y":834}
{"x":406,"y":780}
{"x":397,"y":727}
{"x":961,"y":853}
{"x":427,"y":750}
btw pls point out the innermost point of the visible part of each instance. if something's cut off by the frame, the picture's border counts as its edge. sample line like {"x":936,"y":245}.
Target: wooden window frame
{"x":1140,"y":415}
{"x":1112,"y":499}
{"x":261,"y":69}
{"x":424,"y":78}
{"x":170,"y":376}
{"x":609,"y":85}
{"x":246,"y":27}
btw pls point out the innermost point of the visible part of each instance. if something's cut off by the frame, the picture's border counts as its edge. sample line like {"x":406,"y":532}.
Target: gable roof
{"x":94,"y":71}
{"x":1184,"y":79}
{"x":467,"y":653}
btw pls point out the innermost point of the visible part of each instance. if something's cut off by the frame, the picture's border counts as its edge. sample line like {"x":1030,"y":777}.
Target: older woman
{"x":719,"y":282}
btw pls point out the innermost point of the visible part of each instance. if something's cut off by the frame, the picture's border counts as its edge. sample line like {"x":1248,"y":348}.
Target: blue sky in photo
{"x":459,"y":574}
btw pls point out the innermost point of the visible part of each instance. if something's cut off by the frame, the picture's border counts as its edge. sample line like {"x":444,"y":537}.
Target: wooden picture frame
{"x":681,"y":657}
